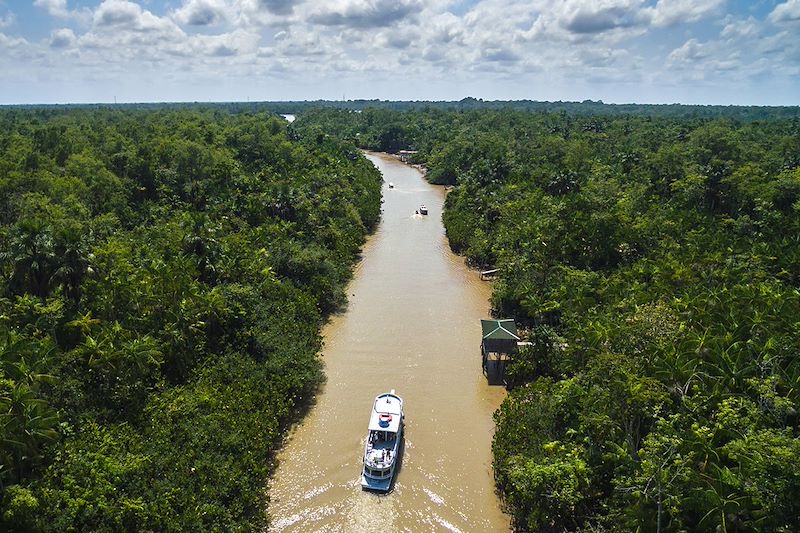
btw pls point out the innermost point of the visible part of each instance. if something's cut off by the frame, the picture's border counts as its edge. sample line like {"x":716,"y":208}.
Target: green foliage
{"x":198,"y":463}
{"x":651,"y":254}
{"x":553,"y":490}
{"x":20,"y":509}
{"x":163,"y":278}
{"x":537,"y":360}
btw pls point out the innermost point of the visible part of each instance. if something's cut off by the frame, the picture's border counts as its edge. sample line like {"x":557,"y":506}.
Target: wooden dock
{"x":486,"y":275}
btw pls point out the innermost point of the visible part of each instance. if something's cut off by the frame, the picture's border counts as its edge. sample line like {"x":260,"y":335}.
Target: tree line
{"x":373,"y":106}
{"x":652,"y":261}
{"x":164,"y":274}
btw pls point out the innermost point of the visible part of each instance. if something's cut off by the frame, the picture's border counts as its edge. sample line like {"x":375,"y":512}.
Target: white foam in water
{"x":435,"y":498}
{"x":316,"y":491}
{"x":448,"y":525}
{"x":308,"y":515}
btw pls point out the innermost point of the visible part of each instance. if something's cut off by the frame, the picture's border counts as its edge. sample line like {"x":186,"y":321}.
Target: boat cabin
{"x":386,"y":416}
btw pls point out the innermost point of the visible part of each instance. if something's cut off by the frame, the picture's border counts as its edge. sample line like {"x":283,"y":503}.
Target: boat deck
{"x":380,"y":454}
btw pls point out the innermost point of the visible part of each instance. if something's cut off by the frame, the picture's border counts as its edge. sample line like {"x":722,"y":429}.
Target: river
{"x":412,"y":324}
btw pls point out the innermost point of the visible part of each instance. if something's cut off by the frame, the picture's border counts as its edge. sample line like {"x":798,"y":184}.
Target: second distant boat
{"x":423,"y":210}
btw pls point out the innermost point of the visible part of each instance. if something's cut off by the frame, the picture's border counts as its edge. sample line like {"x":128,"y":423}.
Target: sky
{"x":728,"y":52}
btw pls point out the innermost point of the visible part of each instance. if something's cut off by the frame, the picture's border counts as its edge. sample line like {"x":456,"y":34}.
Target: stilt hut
{"x":500,"y":339}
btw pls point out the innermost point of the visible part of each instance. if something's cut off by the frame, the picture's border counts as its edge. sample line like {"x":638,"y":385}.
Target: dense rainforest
{"x":653,"y":261}
{"x":587,"y":107}
{"x":163,"y":277}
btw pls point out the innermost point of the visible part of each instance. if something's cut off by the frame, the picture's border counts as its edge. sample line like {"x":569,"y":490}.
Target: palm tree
{"x":26,"y":421}
{"x":71,"y":251}
{"x":26,"y":424}
{"x":30,"y":252}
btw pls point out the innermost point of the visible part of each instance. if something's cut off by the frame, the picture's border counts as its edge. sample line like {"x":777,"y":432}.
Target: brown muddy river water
{"x":412,"y":324}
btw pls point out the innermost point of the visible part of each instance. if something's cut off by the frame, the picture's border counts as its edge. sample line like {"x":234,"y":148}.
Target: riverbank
{"x":412,"y":324}
{"x":422,"y":169}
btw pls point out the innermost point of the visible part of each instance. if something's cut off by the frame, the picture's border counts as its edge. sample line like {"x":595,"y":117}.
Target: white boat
{"x":384,"y":438}
{"x":423,"y":210}
{"x":391,"y":185}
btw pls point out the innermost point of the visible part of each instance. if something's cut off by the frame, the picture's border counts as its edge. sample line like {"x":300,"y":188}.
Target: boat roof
{"x":386,"y":404}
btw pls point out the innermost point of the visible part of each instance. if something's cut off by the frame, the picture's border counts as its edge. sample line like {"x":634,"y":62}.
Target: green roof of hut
{"x":499,"y":336}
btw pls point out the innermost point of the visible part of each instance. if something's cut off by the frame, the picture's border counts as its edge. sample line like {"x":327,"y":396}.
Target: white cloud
{"x":117,"y":13}
{"x":788,"y":11}
{"x":302,"y":43}
{"x":605,"y":58}
{"x":558,"y":23}
{"x":322,"y":43}
{"x":397,"y":40}
{"x":278,"y":7}
{"x":121,"y":16}
{"x":12,"y":42}
{"x":673,"y":12}
{"x":63,"y":38}
{"x":445,"y":30}
{"x":7,"y":20}
{"x":235,"y":43}
{"x":16,"y":54}
{"x":580,"y":16}
{"x":740,"y":29}
{"x":202,"y":12}
{"x":364,"y":13}
{"x":691,"y":52}
{"x":56,"y":8}
{"x":126,"y":36}
{"x":259,"y":13}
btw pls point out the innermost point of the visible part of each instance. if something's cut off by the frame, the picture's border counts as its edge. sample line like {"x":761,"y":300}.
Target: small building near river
{"x":499,"y":341}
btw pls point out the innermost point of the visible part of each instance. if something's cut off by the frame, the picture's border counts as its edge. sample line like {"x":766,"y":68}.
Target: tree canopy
{"x":163,"y":277}
{"x":651,"y":259}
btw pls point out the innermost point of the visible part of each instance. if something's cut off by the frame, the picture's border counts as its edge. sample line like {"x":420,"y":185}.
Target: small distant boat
{"x":423,"y":210}
{"x":383,"y":442}
{"x":391,"y":185}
